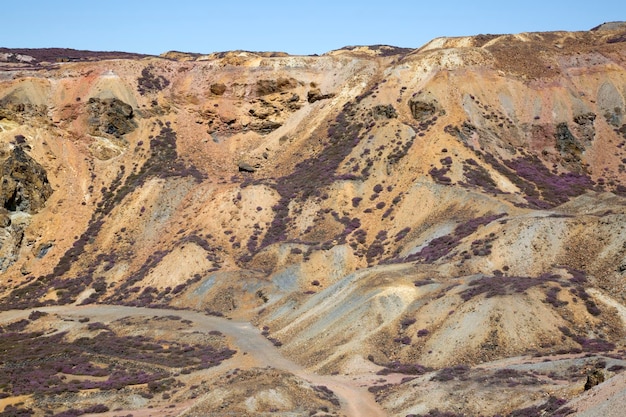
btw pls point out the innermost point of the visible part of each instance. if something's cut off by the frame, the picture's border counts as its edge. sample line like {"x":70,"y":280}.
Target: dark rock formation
{"x":566,"y":143}
{"x":13,"y":109}
{"x":110,"y":117}
{"x":422,"y":110}
{"x":264,"y":127}
{"x":384,"y":111}
{"x":316,"y":95}
{"x":24,"y":184}
{"x":585,"y":127}
{"x":594,"y":378}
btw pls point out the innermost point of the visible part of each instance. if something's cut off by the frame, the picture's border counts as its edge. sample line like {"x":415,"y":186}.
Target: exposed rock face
{"x":594,"y":378}
{"x":19,"y":112}
{"x":585,"y":127}
{"x":5,"y":219}
{"x":315,"y":94}
{"x":265,"y":87}
{"x":384,"y":111}
{"x":110,"y":116}
{"x":423,"y":107}
{"x":24,"y":184}
{"x":24,"y":189}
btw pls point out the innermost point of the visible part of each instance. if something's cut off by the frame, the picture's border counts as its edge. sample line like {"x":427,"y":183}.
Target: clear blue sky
{"x":296,"y":27}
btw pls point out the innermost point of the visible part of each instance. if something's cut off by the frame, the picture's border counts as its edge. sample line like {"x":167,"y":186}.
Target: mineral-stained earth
{"x":375,"y":231}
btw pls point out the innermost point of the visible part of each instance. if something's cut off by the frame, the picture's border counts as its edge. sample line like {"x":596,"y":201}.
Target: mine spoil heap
{"x":428,"y":232}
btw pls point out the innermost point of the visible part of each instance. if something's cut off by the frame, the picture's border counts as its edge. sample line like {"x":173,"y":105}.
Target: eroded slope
{"x":375,"y":208}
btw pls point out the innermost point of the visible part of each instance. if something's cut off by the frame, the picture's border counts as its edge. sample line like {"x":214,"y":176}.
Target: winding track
{"x":355,"y":401}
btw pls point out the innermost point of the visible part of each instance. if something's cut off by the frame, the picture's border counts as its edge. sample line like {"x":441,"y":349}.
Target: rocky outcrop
{"x":24,"y":189}
{"x":384,"y":112}
{"x":423,"y":107}
{"x":585,"y":127}
{"x":264,"y":87}
{"x":24,"y":184}
{"x":315,"y":94}
{"x":567,"y":144}
{"x":111,"y":117}
{"x":594,"y":378}
{"x":19,"y":112}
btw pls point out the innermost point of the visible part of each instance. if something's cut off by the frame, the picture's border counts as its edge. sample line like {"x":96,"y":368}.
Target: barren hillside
{"x":438,"y":231}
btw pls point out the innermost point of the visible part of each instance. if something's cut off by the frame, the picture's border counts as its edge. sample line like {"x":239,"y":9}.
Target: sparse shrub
{"x":437,"y":413}
{"x":403,"y":368}
{"x":443,"y":245}
{"x":551,"y":297}
{"x":407,"y":321}
{"x":377,"y":247}
{"x":456,"y":372}
{"x":493,"y":286}
{"x":553,"y":407}
{"x":97,"y":326}
{"x":17,"y":326}
{"x":439,"y":175}
{"x":327,"y":394}
{"x":405,"y":340}
{"x":35,"y":315}
{"x":150,"y":83}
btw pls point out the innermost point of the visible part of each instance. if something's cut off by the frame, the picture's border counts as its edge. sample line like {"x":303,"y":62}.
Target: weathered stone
{"x":43,"y":249}
{"x":316,"y":95}
{"x":384,"y":111}
{"x":246,"y":167}
{"x":19,"y":112}
{"x":585,"y":119}
{"x":110,"y":116}
{"x":422,"y":110}
{"x":585,"y":128}
{"x":24,"y":184}
{"x":264,"y":87}
{"x":5,"y":220}
{"x":265,"y":126}
{"x":566,"y":143}
{"x":218,"y":89}
{"x":594,"y":378}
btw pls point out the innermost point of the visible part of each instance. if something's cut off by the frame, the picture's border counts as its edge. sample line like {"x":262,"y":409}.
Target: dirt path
{"x":355,"y":401}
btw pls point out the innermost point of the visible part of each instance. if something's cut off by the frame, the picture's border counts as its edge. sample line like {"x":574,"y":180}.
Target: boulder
{"x":246,"y":167}
{"x":110,"y":116}
{"x":218,"y":89}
